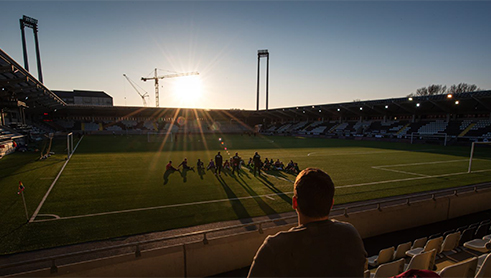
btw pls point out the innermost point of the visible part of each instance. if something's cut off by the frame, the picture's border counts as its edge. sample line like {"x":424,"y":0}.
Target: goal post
{"x":160,"y":137}
{"x":473,"y":147}
{"x":429,"y":135}
{"x":69,"y":144}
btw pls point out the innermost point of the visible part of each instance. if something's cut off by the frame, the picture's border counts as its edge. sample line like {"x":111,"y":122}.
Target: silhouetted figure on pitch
{"x":257,"y":163}
{"x":218,"y":164}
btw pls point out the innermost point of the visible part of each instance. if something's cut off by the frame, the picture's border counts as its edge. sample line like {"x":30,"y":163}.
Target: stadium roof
{"x":82,"y":93}
{"x":454,"y":104}
{"x":17,"y":84}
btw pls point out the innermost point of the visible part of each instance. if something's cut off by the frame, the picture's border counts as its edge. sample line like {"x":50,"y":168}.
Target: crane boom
{"x":156,"y":78}
{"x":143,"y":96}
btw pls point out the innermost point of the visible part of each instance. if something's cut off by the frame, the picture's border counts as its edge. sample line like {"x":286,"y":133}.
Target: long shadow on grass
{"x":13,"y":173}
{"x":167,"y":174}
{"x":273,"y":188}
{"x":238,"y":207}
{"x":270,"y":212}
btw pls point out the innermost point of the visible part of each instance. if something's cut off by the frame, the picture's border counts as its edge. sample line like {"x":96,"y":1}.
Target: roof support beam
{"x":482,"y":103}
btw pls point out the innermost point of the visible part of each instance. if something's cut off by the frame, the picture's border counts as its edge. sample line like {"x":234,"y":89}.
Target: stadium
{"x":85,"y":191}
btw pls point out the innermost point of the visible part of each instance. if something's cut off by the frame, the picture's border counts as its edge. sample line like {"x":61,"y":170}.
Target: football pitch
{"x":116,"y":186}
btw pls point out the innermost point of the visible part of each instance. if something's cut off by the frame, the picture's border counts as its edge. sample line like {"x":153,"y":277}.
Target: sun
{"x":188,"y":89}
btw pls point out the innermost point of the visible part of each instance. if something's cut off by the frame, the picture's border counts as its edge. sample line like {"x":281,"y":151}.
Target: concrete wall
{"x":233,"y":252}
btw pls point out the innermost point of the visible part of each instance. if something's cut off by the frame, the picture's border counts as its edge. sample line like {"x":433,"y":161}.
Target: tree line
{"x":441,"y":89}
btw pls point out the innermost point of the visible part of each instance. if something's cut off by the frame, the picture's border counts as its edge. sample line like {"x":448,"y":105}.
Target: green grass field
{"x":115,"y":186}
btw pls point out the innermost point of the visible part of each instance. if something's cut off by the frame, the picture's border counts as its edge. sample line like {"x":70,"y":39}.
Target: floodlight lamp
{"x":320,"y":110}
{"x":417,"y":104}
{"x":457,"y":102}
{"x":339,"y":109}
{"x":410,"y":99}
{"x":449,"y":96}
{"x":313,"y":106}
{"x":386,"y":106}
{"x":361,"y":108}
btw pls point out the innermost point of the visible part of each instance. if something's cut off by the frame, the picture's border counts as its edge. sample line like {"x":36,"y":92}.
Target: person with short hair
{"x":257,"y":164}
{"x":318,"y":246}
{"x":218,"y":163}
{"x":170,"y":167}
{"x":235,"y":163}
{"x":184,"y":164}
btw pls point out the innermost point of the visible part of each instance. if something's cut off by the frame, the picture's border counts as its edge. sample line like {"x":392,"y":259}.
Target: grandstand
{"x":29,"y":111}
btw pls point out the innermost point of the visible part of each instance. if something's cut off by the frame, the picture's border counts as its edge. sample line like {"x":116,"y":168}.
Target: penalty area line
{"x":36,"y":212}
{"x":410,"y":179}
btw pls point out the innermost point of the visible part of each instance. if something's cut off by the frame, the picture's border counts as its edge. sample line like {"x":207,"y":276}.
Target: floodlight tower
{"x":262,"y":53}
{"x":30,"y":22}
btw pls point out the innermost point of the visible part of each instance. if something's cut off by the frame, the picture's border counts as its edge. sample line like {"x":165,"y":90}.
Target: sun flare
{"x":188,"y":89}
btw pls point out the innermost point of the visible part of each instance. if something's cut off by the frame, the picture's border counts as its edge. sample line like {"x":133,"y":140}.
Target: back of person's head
{"x":314,"y":191}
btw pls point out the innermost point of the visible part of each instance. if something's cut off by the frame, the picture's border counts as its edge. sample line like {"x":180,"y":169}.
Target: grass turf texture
{"x":115,"y":185}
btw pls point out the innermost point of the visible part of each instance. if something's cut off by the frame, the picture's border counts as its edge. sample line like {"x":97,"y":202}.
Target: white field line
{"x":422,"y":163}
{"x":275,"y":194}
{"x":53,"y":184}
{"x":397,"y":171}
{"x":409,"y":179}
{"x":168,"y":206}
{"x":366,"y":152}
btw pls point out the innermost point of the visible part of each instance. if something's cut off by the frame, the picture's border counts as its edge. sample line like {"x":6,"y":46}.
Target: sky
{"x":320,"y":51}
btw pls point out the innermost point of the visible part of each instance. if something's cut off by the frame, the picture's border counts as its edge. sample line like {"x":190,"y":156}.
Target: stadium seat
{"x":435,"y":243}
{"x":465,"y":268}
{"x":401,"y":250}
{"x":479,"y":245}
{"x":482,"y":230}
{"x":484,"y":266}
{"x":467,"y":235}
{"x":446,"y":233}
{"x":420,"y":242}
{"x":451,"y":242}
{"x":434,"y":236}
{"x":422,"y":261}
{"x":384,"y":256}
{"x":389,"y":269}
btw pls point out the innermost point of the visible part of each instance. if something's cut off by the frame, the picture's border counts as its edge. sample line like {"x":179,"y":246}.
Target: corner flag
{"x":21,"y":188}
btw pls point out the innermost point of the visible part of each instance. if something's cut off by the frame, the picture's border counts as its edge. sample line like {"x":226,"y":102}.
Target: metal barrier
{"x":342,"y":209}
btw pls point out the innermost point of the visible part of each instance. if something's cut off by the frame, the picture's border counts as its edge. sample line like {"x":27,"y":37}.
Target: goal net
{"x":480,"y":156}
{"x":437,"y":137}
{"x":160,"y":137}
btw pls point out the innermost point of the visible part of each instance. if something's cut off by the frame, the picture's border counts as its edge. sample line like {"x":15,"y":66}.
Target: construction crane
{"x":143,"y":96}
{"x":156,"y":78}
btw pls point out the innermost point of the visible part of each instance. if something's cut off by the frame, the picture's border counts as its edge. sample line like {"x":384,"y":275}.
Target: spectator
{"x":318,"y":246}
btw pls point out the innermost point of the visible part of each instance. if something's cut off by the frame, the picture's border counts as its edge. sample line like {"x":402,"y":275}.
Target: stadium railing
{"x":342,"y":209}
